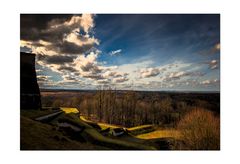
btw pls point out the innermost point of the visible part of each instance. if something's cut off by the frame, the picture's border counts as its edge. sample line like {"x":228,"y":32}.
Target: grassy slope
{"x":101,"y":125}
{"x":35,"y":135}
{"x":94,"y":136}
{"x":39,"y":136}
{"x":36,"y":113}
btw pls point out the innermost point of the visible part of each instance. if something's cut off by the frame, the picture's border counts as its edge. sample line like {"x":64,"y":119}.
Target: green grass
{"x":36,"y":113}
{"x":39,"y":136}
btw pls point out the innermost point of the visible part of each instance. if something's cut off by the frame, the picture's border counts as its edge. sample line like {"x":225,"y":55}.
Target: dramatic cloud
{"x":116,"y":52}
{"x":159,"y":51}
{"x":87,"y":65}
{"x":71,"y":36}
{"x":56,"y":59}
{"x":67,"y":68}
{"x":64,"y":45}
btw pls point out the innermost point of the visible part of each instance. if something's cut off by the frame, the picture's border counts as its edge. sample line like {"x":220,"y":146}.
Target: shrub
{"x":200,"y":130}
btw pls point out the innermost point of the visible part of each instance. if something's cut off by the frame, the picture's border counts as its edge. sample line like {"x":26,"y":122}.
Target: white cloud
{"x":43,"y":77}
{"x":177,"y":75}
{"x":120,"y":79}
{"x":116,"y":52}
{"x":217,"y":46}
{"x":80,"y":40}
{"x":213,"y":64}
{"x":149,"y":72}
{"x":209,"y":82}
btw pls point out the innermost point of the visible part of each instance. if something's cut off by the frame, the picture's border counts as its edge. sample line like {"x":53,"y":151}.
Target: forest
{"x":132,"y":108}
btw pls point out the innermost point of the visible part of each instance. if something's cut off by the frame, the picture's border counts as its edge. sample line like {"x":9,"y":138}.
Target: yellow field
{"x":160,"y":134}
{"x":69,"y":110}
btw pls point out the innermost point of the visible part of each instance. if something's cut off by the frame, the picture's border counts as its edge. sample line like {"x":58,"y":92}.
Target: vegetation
{"x":150,"y":120}
{"x":166,"y":133}
{"x":39,"y":136}
{"x":37,"y":113}
{"x":132,"y":108}
{"x":200,"y":130}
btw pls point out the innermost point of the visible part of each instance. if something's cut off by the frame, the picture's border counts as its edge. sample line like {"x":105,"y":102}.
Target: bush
{"x":200,"y":130}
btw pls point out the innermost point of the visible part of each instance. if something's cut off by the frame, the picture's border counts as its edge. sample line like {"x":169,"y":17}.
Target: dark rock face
{"x":29,"y":91}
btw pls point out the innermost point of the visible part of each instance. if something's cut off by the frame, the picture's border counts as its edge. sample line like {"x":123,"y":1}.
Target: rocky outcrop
{"x":29,"y":89}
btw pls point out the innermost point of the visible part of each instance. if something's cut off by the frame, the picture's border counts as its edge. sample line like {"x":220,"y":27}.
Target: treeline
{"x":127,"y":108}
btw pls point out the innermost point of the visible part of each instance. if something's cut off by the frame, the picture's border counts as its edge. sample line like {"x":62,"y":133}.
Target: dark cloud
{"x":68,"y":68}
{"x":70,"y":48}
{"x":32,"y":24}
{"x":92,"y":76}
{"x":54,"y":29}
{"x":55,"y":59}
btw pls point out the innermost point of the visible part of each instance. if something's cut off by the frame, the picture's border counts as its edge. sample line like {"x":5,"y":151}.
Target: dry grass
{"x":139,"y":127}
{"x":69,"y":110}
{"x":200,"y":130}
{"x":167,"y":133}
{"x":102,"y":125}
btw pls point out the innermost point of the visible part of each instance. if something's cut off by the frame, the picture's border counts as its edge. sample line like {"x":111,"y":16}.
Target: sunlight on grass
{"x":105,"y":126}
{"x":161,"y":134}
{"x":102,"y":125}
{"x":69,"y":110}
{"x":84,"y":119}
{"x":139,"y":127}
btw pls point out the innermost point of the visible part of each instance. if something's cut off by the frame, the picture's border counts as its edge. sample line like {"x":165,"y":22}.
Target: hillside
{"x":68,"y":131}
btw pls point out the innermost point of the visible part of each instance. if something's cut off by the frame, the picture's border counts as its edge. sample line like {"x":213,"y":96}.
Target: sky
{"x":152,"y":52}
